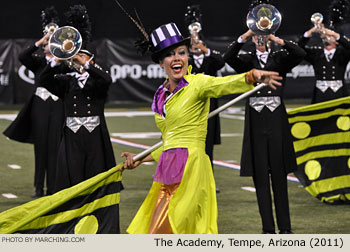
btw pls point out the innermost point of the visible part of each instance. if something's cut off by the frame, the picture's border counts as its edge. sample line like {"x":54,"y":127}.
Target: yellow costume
{"x":193,"y":208}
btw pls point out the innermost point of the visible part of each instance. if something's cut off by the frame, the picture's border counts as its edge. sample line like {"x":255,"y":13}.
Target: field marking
{"x":249,"y":188}
{"x":129,"y":113}
{"x":129,"y":143}
{"x":9,"y":117}
{"x":219,"y":163}
{"x":9,"y":195}
{"x":156,"y":135}
{"x":232,"y":117}
{"x":231,"y":134}
{"x":12,"y":117}
{"x":227,"y":114}
{"x":14,"y":166}
{"x":235,"y":110}
{"x":138,"y":135}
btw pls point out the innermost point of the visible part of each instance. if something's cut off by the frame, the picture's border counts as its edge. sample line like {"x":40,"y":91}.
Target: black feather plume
{"x":144,"y":44}
{"x":193,"y":15}
{"x":338,"y":11}
{"x":49,"y":15}
{"x":257,"y":2}
{"x":77,"y":16}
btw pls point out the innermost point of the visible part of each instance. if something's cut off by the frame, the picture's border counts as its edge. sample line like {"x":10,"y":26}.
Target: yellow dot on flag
{"x":87,"y":225}
{"x":313,"y":169}
{"x":301,"y":130}
{"x":343,"y":123}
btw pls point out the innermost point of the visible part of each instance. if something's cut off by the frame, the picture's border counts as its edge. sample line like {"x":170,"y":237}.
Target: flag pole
{"x":211,"y":114}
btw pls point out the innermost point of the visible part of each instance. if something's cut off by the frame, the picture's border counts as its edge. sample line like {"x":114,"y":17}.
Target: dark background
{"x":114,"y":35}
{"x":21,"y":19}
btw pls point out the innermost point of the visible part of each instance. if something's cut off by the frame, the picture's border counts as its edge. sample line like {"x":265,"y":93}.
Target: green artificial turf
{"x":238,"y":211}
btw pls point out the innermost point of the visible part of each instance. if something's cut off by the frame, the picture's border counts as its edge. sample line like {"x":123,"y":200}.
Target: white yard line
{"x":129,"y":113}
{"x":9,"y":195}
{"x":220,"y":163}
{"x":138,"y":135}
{"x":248,"y":188}
{"x":156,"y":135}
{"x":129,"y":143}
{"x":227,"y":114}
{"x":9,"y":117}
{"x":14,"y":166}
{"x":234,"y":110}
{"x":231,"y":134}
{"x":232,"y":116}
{"x":12,"y":117}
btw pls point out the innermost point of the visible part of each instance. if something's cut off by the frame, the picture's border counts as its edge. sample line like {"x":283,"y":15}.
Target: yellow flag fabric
{"x":321,"y":135}
{"x":91,"y":206}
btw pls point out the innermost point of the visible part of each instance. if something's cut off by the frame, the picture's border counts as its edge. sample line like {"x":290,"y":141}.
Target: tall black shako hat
{"x":49,"y":15}
{"x":163,"y":38}
{"x":193,"y":14}
{"x":166,"y":37}
{"x":338,"y":11}
{"x":255,"y":3}
{"x":78,"y":17}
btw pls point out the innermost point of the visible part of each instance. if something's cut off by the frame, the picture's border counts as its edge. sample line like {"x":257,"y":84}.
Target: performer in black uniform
{"x":206,"y":61}
{"x":85,"y":148}
{"x":40,"y":120}
{"x":267,"y":143}
{"x":329,"y":61}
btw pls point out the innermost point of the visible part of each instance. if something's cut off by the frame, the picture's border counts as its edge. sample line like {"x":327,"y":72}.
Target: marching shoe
{"x":286,"y":232}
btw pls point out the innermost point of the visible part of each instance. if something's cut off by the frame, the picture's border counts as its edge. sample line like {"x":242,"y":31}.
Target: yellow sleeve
{"x":156,"y":153}
{"x":213,"y":87}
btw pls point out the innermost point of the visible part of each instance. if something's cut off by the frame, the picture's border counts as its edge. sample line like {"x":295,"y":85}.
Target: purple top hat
{"x":166,"y":36}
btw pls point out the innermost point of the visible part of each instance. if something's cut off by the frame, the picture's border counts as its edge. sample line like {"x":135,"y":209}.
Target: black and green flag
{"x":321,"y":135}
{"x":90,"y":207}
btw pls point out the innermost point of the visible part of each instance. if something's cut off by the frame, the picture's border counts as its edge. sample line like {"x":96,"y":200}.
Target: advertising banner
{"x":135,"y":77}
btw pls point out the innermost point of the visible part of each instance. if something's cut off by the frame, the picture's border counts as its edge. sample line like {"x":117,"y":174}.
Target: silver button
{"x":74,"y":97}
{"x":324,"y":67}
{"x":74,"y":105}
{"x":333,"y":67}
{"x":324,"y":77}
{"x":258,"y":92}
{"x":89,"y":112}
{"x":269,"y":92}
{"x":333,"y":77}
{"x":333,"y":72}
{"x":75,"y":112}
{"x":88,"y":98}
{"x":324,"y":72}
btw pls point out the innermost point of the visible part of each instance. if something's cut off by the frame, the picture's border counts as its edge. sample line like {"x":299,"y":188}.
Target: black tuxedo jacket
{"x":281,"y":61}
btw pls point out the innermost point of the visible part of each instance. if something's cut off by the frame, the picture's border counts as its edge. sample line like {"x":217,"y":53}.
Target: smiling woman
{"x":175,"y":64}
{"x":183,"y":195}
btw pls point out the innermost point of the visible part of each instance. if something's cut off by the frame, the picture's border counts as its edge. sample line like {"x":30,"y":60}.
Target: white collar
{"x":329,"y":54}
{"x":201,"y":56}
{"x":198,"y":60}
{"x":258,"y":53}
{"x":332,"y":51}
{"x":81,"y":78}
{"x":49,"y":59}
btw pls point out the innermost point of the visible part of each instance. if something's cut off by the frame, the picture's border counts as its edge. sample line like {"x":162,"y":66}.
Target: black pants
{"x":46,"y":123}
{"x":213,"y":131}
{"x":319,"y":96}
{"x":266,"y":135}
{"x":81,"y":156}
